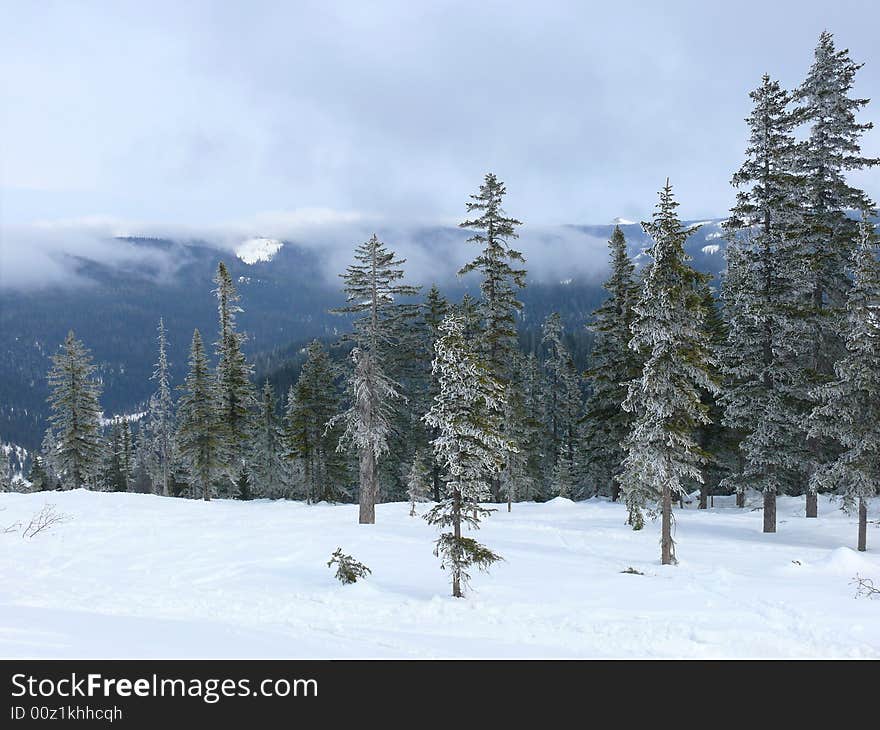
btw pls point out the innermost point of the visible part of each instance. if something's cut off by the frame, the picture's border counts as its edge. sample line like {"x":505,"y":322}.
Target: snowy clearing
{"x":132,"y":575}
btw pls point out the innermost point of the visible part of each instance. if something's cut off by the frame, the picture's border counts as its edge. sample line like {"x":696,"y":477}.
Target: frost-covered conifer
{"x":161,"y":416}
{"x":470,"y":447}
{"x":372,"y":290}
{"x":200,"y":437}
{"x":235,"y":393}
{"x":669,"y":333}
{"x":829,"y":234}
{"x":496,"y":262}
{"x":367,"y":425}
{"x":762,"y":294}
{"x":612,"y":365}
{"x":848,"y":407}
{"x":75,"y":415}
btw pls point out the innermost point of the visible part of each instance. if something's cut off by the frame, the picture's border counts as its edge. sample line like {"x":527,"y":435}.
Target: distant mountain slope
{"x":286,"y":290}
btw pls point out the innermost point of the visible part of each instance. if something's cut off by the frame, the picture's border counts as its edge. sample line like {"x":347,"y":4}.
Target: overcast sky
{"x":200,"y":114}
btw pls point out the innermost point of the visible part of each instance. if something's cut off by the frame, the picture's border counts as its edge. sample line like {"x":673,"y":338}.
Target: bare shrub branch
{"x":43,"y":520}
{"x":865,"y":587}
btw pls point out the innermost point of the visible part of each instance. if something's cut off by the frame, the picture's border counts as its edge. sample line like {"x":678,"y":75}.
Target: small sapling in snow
{"x":348,"y":570}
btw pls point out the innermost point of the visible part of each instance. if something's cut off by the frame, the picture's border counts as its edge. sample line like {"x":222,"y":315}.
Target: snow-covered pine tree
{"x":848,"y":407}
{"x":669,"y":331}
{"x":563,"y":402}
{"x":367,"y":425}
{"x":418,"y":482}
{"x":434,"y":311}
{"x":311,"y":404}
{"x":829,"y":235}
{"x":200,"y":438}
{"x":75,"y":414}
{"x":235,"y":393}
{"x":496,"y":263}
{"x":372,"y":291}
{"x":470,"y":447}
{"x":160,"y":421}
{"x":267,"y":467}
{"x":612,"y":365}
{"x":762,"y":293}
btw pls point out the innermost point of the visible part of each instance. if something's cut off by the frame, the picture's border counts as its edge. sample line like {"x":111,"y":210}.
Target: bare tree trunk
{"x":863,"y":525}
{"x":812,"y":509}
{"x":615,"y":490}
{"x":704,"y":496}
{"x":456,"y":527}
{"x":769,"y":510}
{"x":367,"y":515}
{"x":509,"y":500}
{"x":206,"y":490}
{"x":740,"y":498}
{"x":667,"y":551}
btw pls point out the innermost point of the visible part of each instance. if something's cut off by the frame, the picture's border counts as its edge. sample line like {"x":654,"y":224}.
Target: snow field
{"x":131,"y":575}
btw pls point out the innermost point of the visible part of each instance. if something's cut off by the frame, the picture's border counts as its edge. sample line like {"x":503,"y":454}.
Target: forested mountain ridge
{"x":285,"y":297}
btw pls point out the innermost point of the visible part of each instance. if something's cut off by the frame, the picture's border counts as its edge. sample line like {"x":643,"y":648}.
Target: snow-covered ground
{"x":141,"y":576}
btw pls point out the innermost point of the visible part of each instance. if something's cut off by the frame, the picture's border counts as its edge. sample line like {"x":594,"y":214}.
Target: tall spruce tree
{"x":669,"y":332}
{"x":829,"y":235}
{"x":497,"y":263}
{"x":235,"y":393}
{"x":764,"y":286}
{"x":267,"y":466}
{"x":75,"y":416}
{"x":848,"y":407}
{"x":161,"y":414}
{"x":372,"y":290}
{"x":470,"y":446}
{"x":200,"y":436}
{"x":612,"y":366}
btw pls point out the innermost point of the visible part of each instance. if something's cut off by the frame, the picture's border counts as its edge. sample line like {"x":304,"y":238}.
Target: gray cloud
{"x":38,"y":255}
{"x":204,"y":112}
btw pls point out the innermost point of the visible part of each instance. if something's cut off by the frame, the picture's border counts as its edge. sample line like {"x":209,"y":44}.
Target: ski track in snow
{"x":144,"y":576}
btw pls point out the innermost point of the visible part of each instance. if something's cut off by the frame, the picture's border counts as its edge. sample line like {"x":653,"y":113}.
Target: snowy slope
{"x":254,"y":250}
{"x":138,"y":575}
